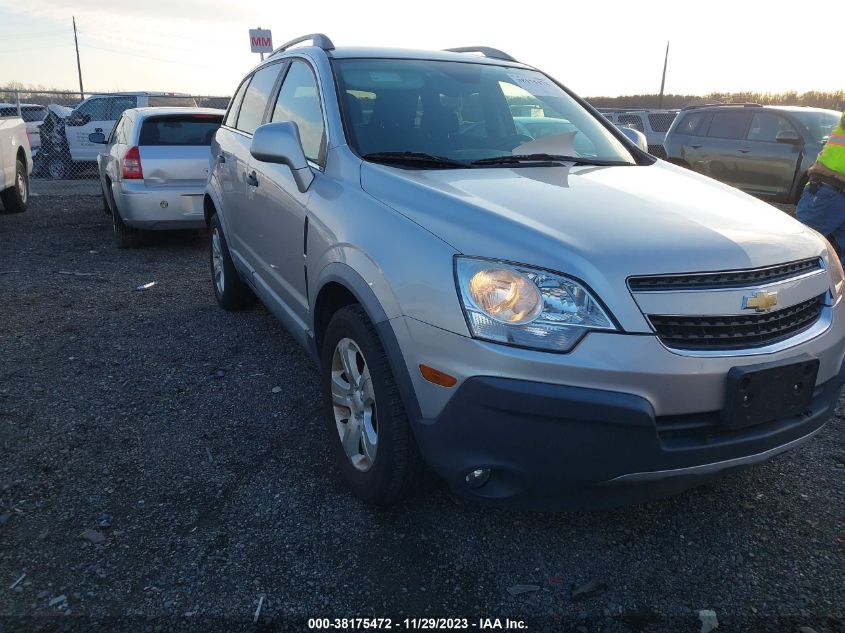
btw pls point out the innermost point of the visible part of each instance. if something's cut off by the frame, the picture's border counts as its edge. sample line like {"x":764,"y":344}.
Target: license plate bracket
{"x":768,"y":392}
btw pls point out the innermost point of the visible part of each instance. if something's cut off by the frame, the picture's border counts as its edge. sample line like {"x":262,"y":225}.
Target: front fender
{"x":364,"y":292}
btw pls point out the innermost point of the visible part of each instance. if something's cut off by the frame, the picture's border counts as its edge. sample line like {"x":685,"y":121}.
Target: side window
{"x":766,"y":126}
{"x":119,"y":104}
{"x":235,"y":105}
{"x":256,"y":97}
{"x":97,"y":108}
{"x":117,"y":132}
{"x":730,"y":125}
{"x":691,"y":124}
{"x":631,"y":120}
{"x":299,"y":101}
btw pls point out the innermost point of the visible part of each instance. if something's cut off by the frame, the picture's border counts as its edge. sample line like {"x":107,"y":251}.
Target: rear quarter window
{"x":179,"y":130}
{"x":165,"y":101}
{"x":691,"y":125}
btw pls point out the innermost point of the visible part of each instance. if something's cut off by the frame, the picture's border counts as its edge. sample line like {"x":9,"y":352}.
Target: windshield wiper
{"x":414,"y":158}
{"x":545,"y":158}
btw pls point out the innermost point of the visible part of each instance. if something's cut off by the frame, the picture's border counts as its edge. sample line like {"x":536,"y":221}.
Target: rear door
{"x":764,"y":166}
{"x":99,"y":115}
{"x":720,"y":150}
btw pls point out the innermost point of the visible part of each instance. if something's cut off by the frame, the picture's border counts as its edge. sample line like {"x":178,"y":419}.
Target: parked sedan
{"x":153,"y":169}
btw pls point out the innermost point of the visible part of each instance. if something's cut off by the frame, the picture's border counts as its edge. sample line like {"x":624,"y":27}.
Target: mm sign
{"x":260,"y":41}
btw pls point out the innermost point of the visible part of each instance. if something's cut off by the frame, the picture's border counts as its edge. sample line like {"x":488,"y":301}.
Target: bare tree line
{"x":814,"y":98}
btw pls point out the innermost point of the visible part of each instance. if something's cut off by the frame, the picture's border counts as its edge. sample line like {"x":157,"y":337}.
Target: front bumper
{"x":159,"y":207}
{"x":553,"y":446}
{"x":619,"y":419}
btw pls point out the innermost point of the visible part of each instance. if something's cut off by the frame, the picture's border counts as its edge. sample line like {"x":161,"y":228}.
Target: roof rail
{"x":318,"y":39}
{"x":493,"y":53}
{"x":736,"y":105}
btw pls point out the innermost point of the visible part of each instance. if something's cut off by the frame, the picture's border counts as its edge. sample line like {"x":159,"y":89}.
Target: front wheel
{"x":16,"y":197}
{"x":369,"y":433}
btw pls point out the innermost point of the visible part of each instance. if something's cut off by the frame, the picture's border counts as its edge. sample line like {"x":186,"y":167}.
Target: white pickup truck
{"x":15,"y":164}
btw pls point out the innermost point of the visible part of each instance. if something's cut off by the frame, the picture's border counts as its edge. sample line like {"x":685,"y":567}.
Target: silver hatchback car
{"x":555,"y":320}
{"x":154,"y":169}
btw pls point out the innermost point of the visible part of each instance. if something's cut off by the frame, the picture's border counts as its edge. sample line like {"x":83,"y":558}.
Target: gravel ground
{"x":151,"y":479}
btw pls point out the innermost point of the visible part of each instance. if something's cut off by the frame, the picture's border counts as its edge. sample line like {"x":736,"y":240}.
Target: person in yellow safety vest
{"x":822,"y":204}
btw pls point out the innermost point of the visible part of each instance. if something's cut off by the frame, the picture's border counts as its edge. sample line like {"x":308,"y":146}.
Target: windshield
{"x":819,"y":123}
{"x":465,"y":112}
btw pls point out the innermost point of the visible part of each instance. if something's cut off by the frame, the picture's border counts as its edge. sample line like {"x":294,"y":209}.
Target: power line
{"x":35,"y":48}
{"x":158,"y":59}
{"x":24,"y":36}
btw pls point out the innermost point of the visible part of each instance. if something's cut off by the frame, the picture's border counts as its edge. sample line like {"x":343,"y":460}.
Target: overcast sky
{"x":596,"y":48}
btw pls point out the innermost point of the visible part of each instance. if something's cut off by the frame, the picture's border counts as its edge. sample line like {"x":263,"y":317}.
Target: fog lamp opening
{"x":478,"y":477}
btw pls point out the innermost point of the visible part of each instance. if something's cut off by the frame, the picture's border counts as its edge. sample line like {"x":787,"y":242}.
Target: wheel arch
{"x":340,"y":285}
{"x":21,"y":156}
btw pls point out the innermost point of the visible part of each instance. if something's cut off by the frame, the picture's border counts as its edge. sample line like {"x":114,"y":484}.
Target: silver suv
{"x":554,"y":321}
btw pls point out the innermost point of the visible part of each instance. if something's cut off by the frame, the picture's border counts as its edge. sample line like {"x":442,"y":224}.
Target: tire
{"x":16,"y":197}
{"x":386,"y":470}
{"x":124,"y":236}
{"x":57,"y":169}
{"x":230,"y":290}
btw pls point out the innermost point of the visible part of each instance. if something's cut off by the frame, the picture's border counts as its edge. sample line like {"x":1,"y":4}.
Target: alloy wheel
{"x":354,"y":404}
{"x":217,"y":262}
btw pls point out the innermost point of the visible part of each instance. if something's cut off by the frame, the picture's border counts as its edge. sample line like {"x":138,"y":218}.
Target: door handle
{"x":695,"y":146}
{"x":252,"y":179}
{"x":221,"y":158}
{"x":744,"y":150}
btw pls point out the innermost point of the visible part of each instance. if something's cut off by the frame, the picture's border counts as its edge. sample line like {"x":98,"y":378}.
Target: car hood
{"x":637,"y":219}
{"x":599,"y":224}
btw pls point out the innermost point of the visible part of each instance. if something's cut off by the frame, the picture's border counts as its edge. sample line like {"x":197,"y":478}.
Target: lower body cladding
{"x":160,"y":208}
{"x":620,"y":419}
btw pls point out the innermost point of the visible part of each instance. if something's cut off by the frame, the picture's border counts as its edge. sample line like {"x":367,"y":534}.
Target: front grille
{"x":736,"y":332}
{"x":657,"y":150}
{"x":724,"y":279}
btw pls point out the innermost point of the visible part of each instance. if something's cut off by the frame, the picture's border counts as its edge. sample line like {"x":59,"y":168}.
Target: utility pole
{"x":78,"y":65}
{"x":663,"y":81}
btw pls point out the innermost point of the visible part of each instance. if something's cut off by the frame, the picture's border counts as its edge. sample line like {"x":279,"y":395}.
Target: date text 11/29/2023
{"x":429,"y":624}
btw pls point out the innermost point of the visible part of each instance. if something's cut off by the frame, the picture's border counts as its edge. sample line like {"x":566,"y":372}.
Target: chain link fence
{"x":59,"y":122}
{"x":65,"y":161}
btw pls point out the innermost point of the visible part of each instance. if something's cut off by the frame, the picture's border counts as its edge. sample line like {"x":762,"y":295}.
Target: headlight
{"x":834,"y":265}
{"x":526,"y":307}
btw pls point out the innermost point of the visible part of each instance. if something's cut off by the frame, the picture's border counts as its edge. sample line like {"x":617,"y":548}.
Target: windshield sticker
{"x":558,"y":144}
{"x":385,"y":76}
{"x":536,"y":84}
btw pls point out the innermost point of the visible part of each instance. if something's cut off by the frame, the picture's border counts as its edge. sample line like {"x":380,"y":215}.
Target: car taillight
{"x":131,"y":165}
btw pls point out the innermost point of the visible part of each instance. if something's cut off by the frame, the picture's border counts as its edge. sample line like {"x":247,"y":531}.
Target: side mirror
{"x":279,"y":143}
{"x":76,"y":119}
{"x":636,"y":137}
{"x":790,"y":137}
{"x":98,"y":138}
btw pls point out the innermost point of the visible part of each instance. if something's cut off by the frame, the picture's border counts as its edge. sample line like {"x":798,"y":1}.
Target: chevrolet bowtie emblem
{"x":761,"y":301}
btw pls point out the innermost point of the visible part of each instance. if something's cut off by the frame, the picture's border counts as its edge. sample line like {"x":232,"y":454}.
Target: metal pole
{"x":262,"y":52}
{"x":18,"y":101}
{"x":663,"y":80}
{"x":78,"y":65}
